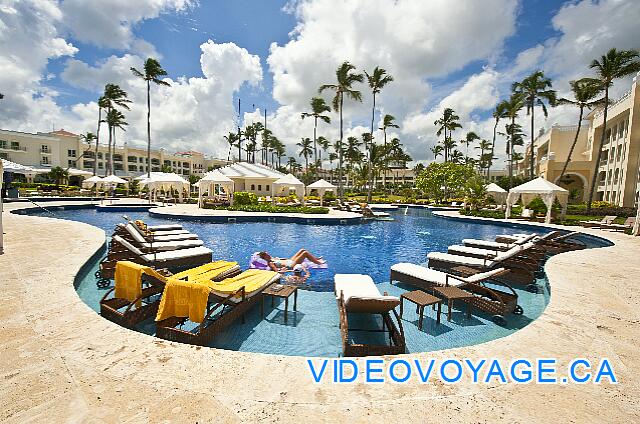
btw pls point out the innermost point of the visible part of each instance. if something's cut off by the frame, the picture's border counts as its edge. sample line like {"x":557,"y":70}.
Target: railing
{"x":614,"y":103}
{"x":13,"y":148}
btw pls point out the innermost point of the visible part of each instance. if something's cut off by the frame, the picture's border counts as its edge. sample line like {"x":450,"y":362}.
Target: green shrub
{"x":245,"y":198}
{"x":267,"y":207}
{"x":482,"y":213}
{"x":537,"y":206}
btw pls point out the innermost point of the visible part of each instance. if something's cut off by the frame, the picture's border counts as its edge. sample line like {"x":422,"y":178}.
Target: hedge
{"x":272,"y":208}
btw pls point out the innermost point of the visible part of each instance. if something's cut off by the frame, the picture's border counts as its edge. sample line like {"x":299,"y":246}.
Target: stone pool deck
{"x":61,"y":362}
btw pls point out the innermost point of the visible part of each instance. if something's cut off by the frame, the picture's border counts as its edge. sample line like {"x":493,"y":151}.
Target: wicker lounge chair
{"x":130,"y":233}
{"x":222,"y":309}
{"x":628,"y":224}
{"x":495,"y":302}
{"x":121,"y":250}
{"x":124,"y":230}
{"x":130,"y":312}
{"x":519,"y":271}
{"x":553,"y":242}
{"x":528,"y":252}
{"x":357,"y":293}
{"x":596,"y":224}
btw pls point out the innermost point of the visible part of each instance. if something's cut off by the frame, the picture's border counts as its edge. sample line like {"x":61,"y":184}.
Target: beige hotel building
{"x":67,"y":150}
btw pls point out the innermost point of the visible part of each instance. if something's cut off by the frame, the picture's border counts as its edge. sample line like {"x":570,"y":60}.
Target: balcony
{"x":13,"y":148}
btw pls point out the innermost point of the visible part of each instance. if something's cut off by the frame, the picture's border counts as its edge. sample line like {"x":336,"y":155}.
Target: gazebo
{"x":498,"y":193}
{"x":542,"y":188}
{"x":321,"y":186}
{"x":287,"y":184}
{"x":164,"y":181}
{"x":210,"y":181}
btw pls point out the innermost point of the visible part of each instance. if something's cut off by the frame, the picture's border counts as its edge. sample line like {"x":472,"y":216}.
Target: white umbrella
{"x":112,"y":179}
{"x":321,"y":186}
{"x":546,"y":190}
{"x":92,"y":181}
{"x":498,"y":193}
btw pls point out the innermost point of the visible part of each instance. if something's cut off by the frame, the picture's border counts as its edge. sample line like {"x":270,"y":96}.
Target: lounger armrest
{"x":454,"y":277}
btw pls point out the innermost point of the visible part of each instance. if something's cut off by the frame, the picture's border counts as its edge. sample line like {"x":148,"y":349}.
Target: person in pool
{"x":283,"y":264}
{"x":299,"y":276}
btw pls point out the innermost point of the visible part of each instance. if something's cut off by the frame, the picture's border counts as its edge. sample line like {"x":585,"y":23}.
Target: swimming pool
{"x":368,"y":249}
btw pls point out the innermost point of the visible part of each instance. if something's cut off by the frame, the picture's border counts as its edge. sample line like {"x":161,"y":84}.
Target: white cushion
{"x":427,"y":274}
{"x":164,"y":227}
{"x":481,"y":276}
{"x":175,"y":237}
{"x":358,"y":289}
{"x":175,"y":254}
{"x":472,"y":251}
{"x":460,"y":260}
{"x":172,"y":245}
{"x":486,"y":244}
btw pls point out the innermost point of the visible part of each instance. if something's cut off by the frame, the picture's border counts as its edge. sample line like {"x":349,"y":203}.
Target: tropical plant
{"x":535,"y":90}
{"x":103,"y":104}
{"x":113,"y":96}
{"x":585,"y":91}
{"x":292,"y":164}
{"x":512,"y":107}
{"x":470,"y":138}
{"x":447,"y":123}
{"x":318,"y":107}
{"x":87,"y":138}
{"x":611,"y":66}
{"x":457,"y":157}
{"x":437,"y":151}
{"x":324,"y":147}
{"x":231,"y":139}
{"x":500,"y":112}
{"x":58,"y":175}
{"x":475,"y":192}
{"x":441,"y":180}
{"x":152,"y":73}
{"x":115,"y":119}
{"x":345,"y":79}
{"x":484,"y":159}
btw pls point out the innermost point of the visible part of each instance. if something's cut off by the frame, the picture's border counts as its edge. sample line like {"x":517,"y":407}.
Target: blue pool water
{"x":368,"y":249}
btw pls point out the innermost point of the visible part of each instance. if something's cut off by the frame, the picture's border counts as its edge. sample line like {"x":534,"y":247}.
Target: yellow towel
{"x":206,"y":271}
{"x":252,"y":280}
{"x":128,"y":280}
{"x":183,"y":299}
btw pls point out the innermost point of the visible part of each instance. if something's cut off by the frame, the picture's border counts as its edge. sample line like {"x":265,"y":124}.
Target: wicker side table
{"x":421,"y":299}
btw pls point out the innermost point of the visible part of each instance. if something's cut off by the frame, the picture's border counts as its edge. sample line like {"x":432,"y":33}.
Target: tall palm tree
{"x":377,"y":80}
{"x":535,"y":89}
{"x":388,"y":121}
{"x":449,"y":144}
{"x":470,"y":138}
{"x":611,"y":66}
{"x":499,"y":113}
{"x":318,"y":107}
{"x":345,"y":79}
{"x":114,"y":97}
{"x":306,"y":150}
{"x":448,"y":122}
{"x":115,"y":120}
{"x":324,"y":144}
{"x":103,"y":104}
{"x":152,"y":73}
{"x":437,"y":151}
{"x":483,"y":160}
{"x":457,"y":156}
{"x":231,"y":138}
{"x":291,"y":163}
{"x":585,"y":91}
{"x":513,"y":106}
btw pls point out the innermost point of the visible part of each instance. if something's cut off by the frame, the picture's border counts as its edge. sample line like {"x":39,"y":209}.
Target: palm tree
{"x":437,"y":151}
{"x":318,"y":107}
{"x":58,"y":175}
{"x":457,"y":156}
{"x":615,"y":64}
{"x":535,"y":89}
{"x":512,"y":107}
{"x":499,"y":113}
{"x":377,"y":80}
{"x":448,"y":122}
{"x":291,"y":163}
{"x":584,"y":90}
{"x":152,"y":73}
{"x":449,"y":144}
{"x":115,"y":119}
{"x":324,"y":147}
{"x":469,"y":139}
{"x":113,"y":96}
{"x":483,"y":160}
{"x":305,"y":150}
{"x":231,"y":139}
{"x":87,"y":138}
{"x":388,"y":121}
{"x":103,"y":104}
{"x":345,"y":79}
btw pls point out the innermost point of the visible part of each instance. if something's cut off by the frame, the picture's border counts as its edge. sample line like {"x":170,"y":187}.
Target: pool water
{"x":369,"y":248}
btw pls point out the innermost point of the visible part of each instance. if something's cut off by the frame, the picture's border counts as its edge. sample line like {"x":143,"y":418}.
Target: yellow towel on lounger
{"x":183,"y":299}
{"x":128,"y":279}
{"x":206,"y":271}
{"x":251,"y":280}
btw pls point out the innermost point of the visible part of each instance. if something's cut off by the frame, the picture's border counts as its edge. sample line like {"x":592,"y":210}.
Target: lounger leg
{"x":401,"y":305}
{"x":450,"y":303}
{"x":420,"y":319}
{"x":286,"y":308}
{"x":295,"y":300}
{"x":439,"y":310}
{"x":468,"y":309}
{"x":262,"y":307}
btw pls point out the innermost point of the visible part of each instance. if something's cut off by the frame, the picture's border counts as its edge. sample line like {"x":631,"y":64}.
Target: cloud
{"x":110,"y":24}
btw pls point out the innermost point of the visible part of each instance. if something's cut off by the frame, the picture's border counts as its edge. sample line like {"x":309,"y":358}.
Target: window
{"x":155,"y":169}
{"x":100,"y":156}
{"x":71,"y":153}
{"x":253,"y":187}
{"x":613,"y":197}
{"x":4,"y":156}
{"x":167,"y":163}
{"x":117,"y":166}
{"x":621,"y":130}
{"x":44,"y":160}
{"x":132,"y":159}
{"x":607,"y":136}
{"x":259,"y":187}
{"x":140,"y":160}
{"x":173,"y":163}
{"x":185,"y":164}
{"x":117,"y":157}
{"x":132,"y":168}
{"x":70,"y":163}
{"x":155,"y":161}
{"x":4,"y":144}
{"x":44,"y":148}
{"x":89,"y":155}
{"x":88,"y":165}
{"x":141,"y":168}
{"x":267,"y":187}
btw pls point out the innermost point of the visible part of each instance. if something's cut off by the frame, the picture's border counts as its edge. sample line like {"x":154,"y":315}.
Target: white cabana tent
{"x":166,"y":181}
{"x":498,"y":193}
{"x":542,"y":188}
{"x":321,"y":186}
{"x":92,"y":181}
{"x":208,"y":183}
{"x":114,"y":180}
{"x":16,"y":168}
{"x":286,"y":184}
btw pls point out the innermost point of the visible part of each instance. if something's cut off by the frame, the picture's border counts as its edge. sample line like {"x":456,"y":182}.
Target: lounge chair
{"x":528,"y":252}
{"x":496,"y":302}
{"x":357,"y":293}
{"x":121,"y":230}
{"x":501,"y":246}
{"x":553,"y":242}
{"x":628,"y":225}
{"x":595,"y":224}
{"x":121,"y":250}
{"x":212,"y":306}
{"x":137,"y":289}
{"x":130,"y":233}
{"x":520,"y":271}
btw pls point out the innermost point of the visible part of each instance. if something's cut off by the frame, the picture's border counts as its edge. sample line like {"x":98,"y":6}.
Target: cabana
{"x":542,"y":188}
{"x":165,"y":181}
{"x":321,"y":186}
{"x":92,"y":181}
{"x":251,"y":177}
{"x":498,"y":193}
{"x":287,"y":184}
{"x":212,"y":184}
